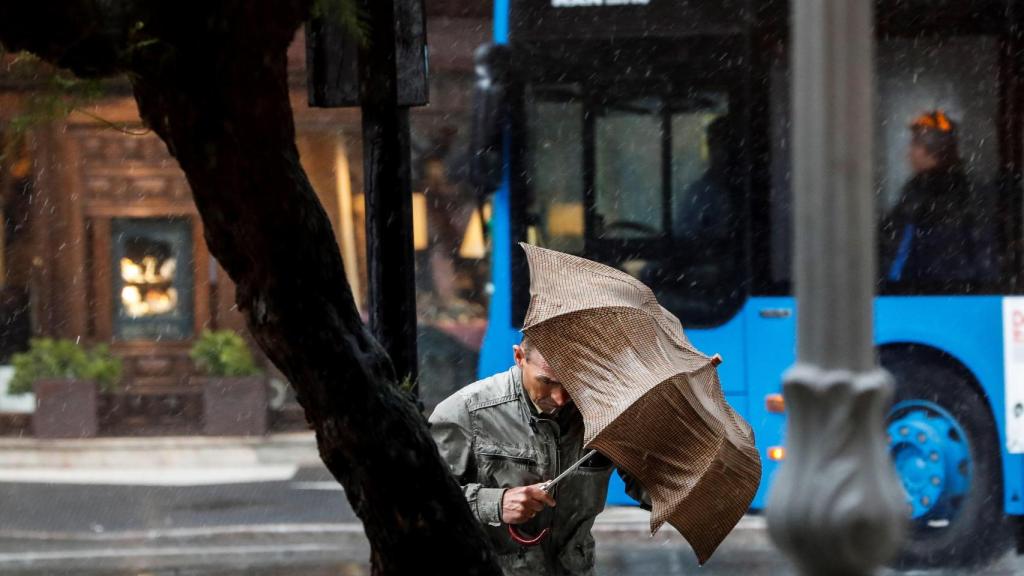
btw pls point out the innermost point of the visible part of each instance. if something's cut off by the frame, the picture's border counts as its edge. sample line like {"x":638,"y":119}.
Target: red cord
{"x":527,"y":540}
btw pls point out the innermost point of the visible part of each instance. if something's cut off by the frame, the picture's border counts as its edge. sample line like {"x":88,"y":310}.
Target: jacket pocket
{"x":585,"y":491}
{"x":503,"y":466}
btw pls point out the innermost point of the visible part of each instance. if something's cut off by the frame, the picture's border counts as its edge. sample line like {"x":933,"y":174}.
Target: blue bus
{"x":653,"y":135}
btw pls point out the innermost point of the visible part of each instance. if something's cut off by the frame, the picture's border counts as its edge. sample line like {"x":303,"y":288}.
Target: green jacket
{"x":493,"y":438}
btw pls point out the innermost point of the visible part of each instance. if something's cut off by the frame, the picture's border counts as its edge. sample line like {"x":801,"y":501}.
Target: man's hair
{"x":526,"y":346}
{"x":937,"y":133}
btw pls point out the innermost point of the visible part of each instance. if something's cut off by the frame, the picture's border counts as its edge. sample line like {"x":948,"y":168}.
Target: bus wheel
{"x":945,"y":448}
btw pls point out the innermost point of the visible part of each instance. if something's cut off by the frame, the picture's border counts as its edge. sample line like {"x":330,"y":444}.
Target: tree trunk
{"x":211,"y":81}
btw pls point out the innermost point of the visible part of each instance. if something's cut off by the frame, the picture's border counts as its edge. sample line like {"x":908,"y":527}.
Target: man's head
{"x":542,"y":386}
{"x":933,"y":142}
{"x":721,"y":141}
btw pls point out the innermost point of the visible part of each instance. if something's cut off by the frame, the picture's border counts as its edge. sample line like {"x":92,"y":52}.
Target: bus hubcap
{"x":932,"y":458}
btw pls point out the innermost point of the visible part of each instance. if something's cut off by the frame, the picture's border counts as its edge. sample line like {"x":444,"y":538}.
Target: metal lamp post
{"x":835,"y":507}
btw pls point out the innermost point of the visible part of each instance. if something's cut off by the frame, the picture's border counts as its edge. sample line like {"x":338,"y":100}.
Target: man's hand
{"x":521,"y":504}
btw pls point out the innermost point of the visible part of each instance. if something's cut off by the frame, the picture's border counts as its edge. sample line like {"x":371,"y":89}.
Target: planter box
{"x":234,"y":406}
{"x":152,"y":413}
{"x":65,"y":409}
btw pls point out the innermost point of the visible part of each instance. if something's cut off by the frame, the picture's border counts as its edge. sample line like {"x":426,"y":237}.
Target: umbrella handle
{"x":525,"y":540}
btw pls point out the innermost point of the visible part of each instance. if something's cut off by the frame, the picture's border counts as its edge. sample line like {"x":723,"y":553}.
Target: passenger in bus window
{"x":928,"y":237}
{"x":708,"y":210}
{"x":697,"y":281}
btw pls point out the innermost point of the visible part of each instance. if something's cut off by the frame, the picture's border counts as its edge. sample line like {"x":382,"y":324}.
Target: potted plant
{"x":234,"y":391}
{"x":66,"y":379}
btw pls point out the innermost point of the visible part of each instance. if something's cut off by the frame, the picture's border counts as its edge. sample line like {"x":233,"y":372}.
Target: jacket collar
{"x":525,"y":404}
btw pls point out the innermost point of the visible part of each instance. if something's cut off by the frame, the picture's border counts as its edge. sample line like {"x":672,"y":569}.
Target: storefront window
{"x":450,"y":239}
{"x":152,"y":279}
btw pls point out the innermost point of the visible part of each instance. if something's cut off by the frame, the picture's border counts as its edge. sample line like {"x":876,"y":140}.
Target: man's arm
{"x":449,"y":426}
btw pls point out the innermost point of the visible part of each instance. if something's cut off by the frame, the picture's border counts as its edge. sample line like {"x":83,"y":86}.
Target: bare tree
{"x":210,"y":79}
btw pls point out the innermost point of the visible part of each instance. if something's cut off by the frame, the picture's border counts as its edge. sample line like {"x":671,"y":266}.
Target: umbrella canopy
{"x":650,"y":401}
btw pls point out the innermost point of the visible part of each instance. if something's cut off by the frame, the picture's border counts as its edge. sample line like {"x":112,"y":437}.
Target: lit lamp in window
{"x":565,"y":219}
{"x":473,"y":246}
{"x":147,"y":287}
{"x":153,"y":278}
{"x":563,"y":227}
{"x":420,"y":239}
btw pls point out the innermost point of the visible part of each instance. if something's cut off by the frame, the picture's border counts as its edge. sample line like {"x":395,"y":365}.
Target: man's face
{"x":541,"y":384}
{"x":920,"y":159}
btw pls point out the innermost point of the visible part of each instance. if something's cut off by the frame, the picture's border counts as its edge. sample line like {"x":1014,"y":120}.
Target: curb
{"x":295,"y":449}
{"x":192,"y":533}
{"x":604,"y":528}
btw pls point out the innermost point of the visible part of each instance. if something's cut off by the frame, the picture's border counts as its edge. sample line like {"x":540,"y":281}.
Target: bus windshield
{"x":645,"y":180}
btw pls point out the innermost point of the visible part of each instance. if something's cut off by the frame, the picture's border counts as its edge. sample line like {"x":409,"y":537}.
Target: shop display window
{"x":153,"y":282}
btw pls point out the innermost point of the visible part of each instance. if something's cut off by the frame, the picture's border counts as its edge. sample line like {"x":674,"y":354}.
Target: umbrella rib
{"x":548,"y":486}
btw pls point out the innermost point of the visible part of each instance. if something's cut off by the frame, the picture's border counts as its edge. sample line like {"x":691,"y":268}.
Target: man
{"x":503,"y":437}
{"x":929,"y":237}
{"x":707,"y":234}
{"x":708,"y":210}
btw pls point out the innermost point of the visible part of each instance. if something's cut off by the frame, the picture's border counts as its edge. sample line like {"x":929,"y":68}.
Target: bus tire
{"x":978,"y":531}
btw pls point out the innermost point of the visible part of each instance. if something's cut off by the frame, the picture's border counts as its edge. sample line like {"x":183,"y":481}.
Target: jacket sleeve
{"x":449,"y":426}
{"x":635,"y":490}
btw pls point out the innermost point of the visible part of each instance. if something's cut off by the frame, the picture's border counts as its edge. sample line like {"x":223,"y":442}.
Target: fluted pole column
{"x":835,"y":506}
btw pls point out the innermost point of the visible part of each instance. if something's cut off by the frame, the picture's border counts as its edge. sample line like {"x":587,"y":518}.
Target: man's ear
{"x":518,"y":355}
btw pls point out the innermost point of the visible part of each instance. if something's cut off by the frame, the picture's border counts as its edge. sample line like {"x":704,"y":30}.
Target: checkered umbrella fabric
{"x":650,"y":401}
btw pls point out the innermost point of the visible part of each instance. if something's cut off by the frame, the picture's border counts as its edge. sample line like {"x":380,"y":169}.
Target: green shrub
{"x":51,"y":358}
{"x":223,"y":354}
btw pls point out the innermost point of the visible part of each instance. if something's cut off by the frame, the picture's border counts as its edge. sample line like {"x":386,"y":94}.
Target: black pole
{"x":389,"y":233}
{"x":383,"y":69}
{"x":389,"y":247}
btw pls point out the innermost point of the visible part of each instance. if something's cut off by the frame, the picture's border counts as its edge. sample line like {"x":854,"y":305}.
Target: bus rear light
{"x":775,"y":403}
{"x":777,"y":453}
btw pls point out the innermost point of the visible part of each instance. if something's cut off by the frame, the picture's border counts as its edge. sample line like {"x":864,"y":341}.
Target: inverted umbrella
{"x":650,"y":401}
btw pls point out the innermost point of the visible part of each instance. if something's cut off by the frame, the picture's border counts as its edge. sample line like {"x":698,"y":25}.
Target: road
{"x":299,"y":525}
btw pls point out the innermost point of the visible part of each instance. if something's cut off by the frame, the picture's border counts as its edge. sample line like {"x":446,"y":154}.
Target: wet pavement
{"x":626,"y":559}
{"x":635,"y":559}
{"x":300,"y":526}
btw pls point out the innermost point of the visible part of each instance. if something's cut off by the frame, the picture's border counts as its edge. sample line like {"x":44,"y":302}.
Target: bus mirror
{"x":490,"y":113}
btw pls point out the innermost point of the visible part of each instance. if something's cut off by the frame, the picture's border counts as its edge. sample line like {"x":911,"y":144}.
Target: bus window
{"x":554,"y":169}
{"x":628,"y":162}
{"x":937,"y":163}
{"x":704,"y":170}
{"x":702,"y":279}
